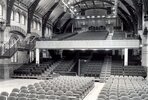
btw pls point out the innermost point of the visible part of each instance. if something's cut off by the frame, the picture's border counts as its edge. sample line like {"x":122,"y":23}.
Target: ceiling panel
{"x":28,"y":3}
{"x":54,"y":15}
{"x":44,"y":6}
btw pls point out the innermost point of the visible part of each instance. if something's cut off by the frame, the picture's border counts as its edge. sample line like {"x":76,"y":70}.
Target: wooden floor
{"x":8,"y":85}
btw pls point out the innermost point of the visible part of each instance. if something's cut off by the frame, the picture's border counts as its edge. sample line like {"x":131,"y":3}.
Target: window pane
{"x":17,"y":17}
{"x":1,"y":11}
{"x":12,"y":15}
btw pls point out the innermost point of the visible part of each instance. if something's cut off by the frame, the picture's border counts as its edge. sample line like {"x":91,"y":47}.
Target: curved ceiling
{"x":78,"y":5}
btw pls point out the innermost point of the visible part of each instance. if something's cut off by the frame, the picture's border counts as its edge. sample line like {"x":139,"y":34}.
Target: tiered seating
{"x":32,"y":69}
{"x":134,"y":71}
{"x":63,"y":36}
{"x":64,"y":66}
{"x":60,"y":88}
{"x":91,"y":68}
{"x":117,"y":68}
{"x":99,"y":35}
{"x":118,"y":35}
{"x":124,"y":88}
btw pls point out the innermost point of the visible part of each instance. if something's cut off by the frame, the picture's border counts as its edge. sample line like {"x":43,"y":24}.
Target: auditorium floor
{"x":8,"y":85}
{"x":95,"y":92}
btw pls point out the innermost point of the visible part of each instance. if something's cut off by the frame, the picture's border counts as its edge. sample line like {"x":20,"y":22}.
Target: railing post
{"x":9,"y":48}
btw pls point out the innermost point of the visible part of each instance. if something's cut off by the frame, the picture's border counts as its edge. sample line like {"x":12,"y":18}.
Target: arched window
{"x":1,"y":11}
{"x":34,"y":24}
{"x":12,"y":15}
{"x":50,"y":32}
{"x":38,"y":26}
{"x":23,"y":20}
{"x":17,"y":17}
{"x":47,"y":35}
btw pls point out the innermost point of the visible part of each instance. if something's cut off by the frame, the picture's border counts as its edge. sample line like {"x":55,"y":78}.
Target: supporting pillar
{"x":113,"y":52}
{"x":79,"y":69}
{"x":125,"y":57}
{"x":37,"y":56}
{"x":145,"y":54}
{"x":61,"y":53}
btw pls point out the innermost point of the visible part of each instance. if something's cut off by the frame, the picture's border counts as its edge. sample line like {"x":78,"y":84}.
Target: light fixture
{"x":113,"y":8}
{"x":71,"y":49}
{"x":108,"y":16}
{"x":72,"y":7}
{"x":88,"y":16}
{"x":92,"y":16}
{"x":68,"y":7}
{"x":75,"y":10}
{"x":114,"y":16}
{"x":78,"y":17}
{"x":141,"y":45}
{"x":83,"y":49}
{"x":98,"y":16}
{"x":69,"y":3}
{"x":95,"y":49}
{"x":107,"y":49}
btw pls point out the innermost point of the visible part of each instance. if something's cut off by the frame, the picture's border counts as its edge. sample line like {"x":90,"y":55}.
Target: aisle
{"x":95,"y":92}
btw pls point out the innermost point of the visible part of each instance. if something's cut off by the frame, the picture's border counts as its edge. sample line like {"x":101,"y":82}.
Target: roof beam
{"x":127,"y":16}
{"x":46,"y":17}
{"x":59,"y":18}
{"x":133,"y":13}
{"x":10,"y":4}
{"x":94,"y":3}
{"x":130,"y":9}
{"x":31,"y":11}
{"x":125,"y":21}
{"x":63,"y":28}
{"x":139,"y":9}
{"x":106,"y":1}
{"x":78,"y":4}
{"x":86,"y":5}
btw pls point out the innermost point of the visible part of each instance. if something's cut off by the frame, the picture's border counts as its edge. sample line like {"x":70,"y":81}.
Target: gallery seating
{"x":32,"y":69}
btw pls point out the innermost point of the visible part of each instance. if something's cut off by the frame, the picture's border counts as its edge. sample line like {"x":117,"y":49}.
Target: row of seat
{"x":134,"y":71}
{"x":64,"y":66}
{"x":60,"y":88}
{"x":91,"y":68}
{"x":118,"y":69}
{"x":95,"y":35}
{"x":32,"y":69}
{"x":124,"y":88}
{"x":118,"y":35}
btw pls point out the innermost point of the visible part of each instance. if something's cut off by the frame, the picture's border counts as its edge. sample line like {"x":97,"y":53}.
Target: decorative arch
{"x":18,"y":30}
{"x":14,"y":36}
{"x":24,"y":14}
{"x":18,"y":10}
